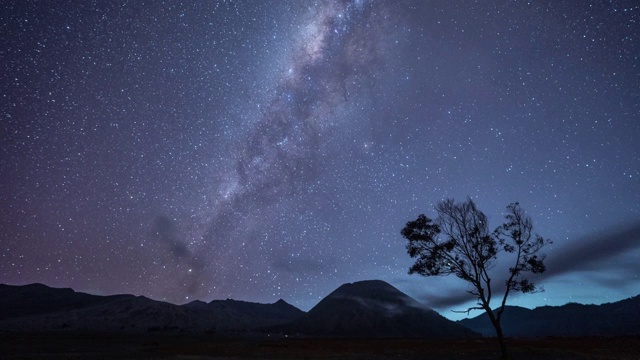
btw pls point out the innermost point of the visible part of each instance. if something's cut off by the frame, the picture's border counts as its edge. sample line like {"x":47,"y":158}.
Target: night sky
{"x":259,"y":150}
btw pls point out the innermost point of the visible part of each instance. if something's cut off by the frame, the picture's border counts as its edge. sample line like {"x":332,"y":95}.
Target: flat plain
{"x":200,"y":347}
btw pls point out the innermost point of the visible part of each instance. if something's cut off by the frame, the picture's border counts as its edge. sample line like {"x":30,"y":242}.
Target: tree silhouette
{"x":459,"y":242}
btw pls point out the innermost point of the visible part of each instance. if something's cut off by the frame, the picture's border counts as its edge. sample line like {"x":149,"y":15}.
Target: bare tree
{"x":459,"y":242}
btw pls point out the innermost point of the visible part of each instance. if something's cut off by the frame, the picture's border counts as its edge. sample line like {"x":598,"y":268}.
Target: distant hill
{"x":39,"y":308}
{"x":620,"y":318}
{"x":365,"y":309}
{"x":242,"y":316}
{"x":33,"y":299}
{"x":374,"y":309}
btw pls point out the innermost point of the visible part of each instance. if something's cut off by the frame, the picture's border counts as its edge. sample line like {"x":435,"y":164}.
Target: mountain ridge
{"x":370,"y":308}
{"x":378,"y":310}
{"x":617,"y":318}
{"x":374,"y":308}
{"x":39,"y":308}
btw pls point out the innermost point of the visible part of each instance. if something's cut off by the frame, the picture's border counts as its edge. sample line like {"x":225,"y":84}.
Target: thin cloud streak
{"x":586,"y":254}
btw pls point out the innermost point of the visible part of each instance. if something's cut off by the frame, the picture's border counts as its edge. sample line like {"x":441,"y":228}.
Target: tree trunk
{"x":503,"y":346}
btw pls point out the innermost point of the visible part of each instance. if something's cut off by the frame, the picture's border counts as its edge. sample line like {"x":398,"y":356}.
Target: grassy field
{"x":200,"y":347}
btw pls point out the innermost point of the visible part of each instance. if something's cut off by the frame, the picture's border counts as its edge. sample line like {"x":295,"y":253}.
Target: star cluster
{"x":265,"y":150}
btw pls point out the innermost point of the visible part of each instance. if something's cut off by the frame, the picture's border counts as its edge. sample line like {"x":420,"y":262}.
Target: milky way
{"x":260,"y":150}
{"x":287,"y":146}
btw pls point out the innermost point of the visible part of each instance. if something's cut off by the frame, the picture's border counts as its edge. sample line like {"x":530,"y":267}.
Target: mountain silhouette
{"x":619,"y":318}
{"x":365,"y":309}
{"x":374,"y":309}
{"x":33,"y":299}
{"x":39,"y":308}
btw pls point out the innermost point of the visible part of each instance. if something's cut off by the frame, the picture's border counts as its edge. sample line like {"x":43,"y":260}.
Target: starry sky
{"x":259,"y":150}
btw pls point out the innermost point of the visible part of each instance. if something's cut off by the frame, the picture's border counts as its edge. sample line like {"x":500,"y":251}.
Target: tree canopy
{"x":459,"y":242}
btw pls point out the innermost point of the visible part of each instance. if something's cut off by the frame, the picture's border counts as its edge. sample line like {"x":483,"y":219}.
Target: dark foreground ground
{"x":201,"y":347}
